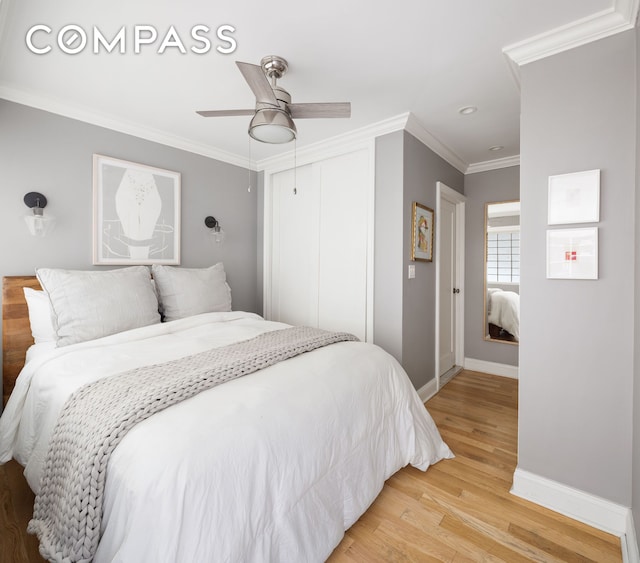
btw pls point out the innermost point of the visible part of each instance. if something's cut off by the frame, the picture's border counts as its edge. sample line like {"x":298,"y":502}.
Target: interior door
{"x":447,"y":329}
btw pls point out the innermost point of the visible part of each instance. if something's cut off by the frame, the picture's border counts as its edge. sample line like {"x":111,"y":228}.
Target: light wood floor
{"x":460,"y":510}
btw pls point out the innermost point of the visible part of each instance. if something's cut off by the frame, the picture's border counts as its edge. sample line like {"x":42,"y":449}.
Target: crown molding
{"x":315,"y":151}
{"x":120,"y":125}
{"x":622,"y":16}
{"x":414,"y":127}
{"x":342,"y":143}
{"x":505,"y":162}
{"x":332,"y":146}
{"x":322,"y":149}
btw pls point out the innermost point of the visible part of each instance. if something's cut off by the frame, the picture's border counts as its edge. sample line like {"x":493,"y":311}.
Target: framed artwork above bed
{"x":136,"y":213}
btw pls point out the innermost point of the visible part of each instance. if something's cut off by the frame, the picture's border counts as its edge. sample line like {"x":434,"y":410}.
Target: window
{"x":503,"y":256}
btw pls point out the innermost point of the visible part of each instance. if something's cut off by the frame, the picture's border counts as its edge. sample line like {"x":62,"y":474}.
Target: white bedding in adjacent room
{"x":504,"y":310}
{"x":273,"y":466}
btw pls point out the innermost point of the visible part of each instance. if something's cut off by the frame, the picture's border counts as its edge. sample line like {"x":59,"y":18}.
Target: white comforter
{"x":504,"y":311}
{"x":273,"y":466}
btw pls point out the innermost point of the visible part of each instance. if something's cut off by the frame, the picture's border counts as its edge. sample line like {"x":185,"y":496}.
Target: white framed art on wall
{"x":572,"y":254}
{"x":136,"y":213}
{"x":574,"y":198}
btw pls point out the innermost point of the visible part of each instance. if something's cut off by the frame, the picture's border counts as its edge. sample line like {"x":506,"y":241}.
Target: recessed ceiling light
{"x":466,"y":110}
{"x":495,"y":148}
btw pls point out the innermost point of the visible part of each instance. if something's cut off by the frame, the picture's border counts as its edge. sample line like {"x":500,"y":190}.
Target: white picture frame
{"x":574,"y":198}
{"x":136,"y":213}
{"x":572,"y":253}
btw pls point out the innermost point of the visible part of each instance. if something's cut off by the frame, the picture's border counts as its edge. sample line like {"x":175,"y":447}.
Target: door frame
{"x":456,"y":198}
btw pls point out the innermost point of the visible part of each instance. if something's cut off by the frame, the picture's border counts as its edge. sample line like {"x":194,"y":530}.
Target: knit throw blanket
{"x":68,"y":509}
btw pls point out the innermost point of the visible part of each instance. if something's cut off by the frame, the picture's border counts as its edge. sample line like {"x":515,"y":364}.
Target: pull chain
{"x":249,"y":167}
{"x":295,"y":166}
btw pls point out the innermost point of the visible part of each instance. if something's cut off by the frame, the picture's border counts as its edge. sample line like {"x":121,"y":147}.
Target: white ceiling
{"x":426,"y":57}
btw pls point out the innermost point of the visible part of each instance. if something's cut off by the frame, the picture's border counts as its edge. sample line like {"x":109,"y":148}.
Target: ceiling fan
{"x":273,"y":115}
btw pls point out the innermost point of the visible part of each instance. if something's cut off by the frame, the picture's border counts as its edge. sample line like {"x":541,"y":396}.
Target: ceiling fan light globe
{"x":273,"y":126}
{"x":272,"y":134}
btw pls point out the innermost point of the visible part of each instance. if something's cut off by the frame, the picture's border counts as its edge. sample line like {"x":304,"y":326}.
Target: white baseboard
{"x":584,"y":507}
{"x":629,"y":542}
{"x":505,"y":370}
{"x":428,"y":390}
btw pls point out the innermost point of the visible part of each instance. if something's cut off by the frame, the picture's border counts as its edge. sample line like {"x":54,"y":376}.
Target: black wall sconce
{"x":38,"y":223}
{"x":216,"y":230}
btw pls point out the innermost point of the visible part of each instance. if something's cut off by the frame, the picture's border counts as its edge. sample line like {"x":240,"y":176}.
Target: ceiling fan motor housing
{"x":281,"y":95}
{"x":274,"y":66}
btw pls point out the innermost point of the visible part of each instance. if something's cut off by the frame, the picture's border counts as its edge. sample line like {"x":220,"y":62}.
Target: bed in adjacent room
{"x":274,"y":464}
{"x":503,"y":312}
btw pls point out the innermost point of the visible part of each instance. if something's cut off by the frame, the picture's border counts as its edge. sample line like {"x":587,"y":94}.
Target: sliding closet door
{"x":294,"y":269}
{"x":342,"y":277}
{"x":319,"y":244}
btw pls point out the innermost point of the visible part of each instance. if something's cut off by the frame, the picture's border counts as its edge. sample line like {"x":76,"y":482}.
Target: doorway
{"x":449,"y":259}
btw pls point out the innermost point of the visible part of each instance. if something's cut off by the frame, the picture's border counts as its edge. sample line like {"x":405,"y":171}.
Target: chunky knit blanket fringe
{"x":68,"y":509}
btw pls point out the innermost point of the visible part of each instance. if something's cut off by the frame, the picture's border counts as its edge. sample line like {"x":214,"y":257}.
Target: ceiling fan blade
{"x":225,"y":112}
{"x":329,"y":109}
{"x":258,"y":82}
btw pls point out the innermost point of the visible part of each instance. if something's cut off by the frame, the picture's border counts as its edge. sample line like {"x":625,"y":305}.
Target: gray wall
{"x":480,"y":188}
{"x":404,"y":310}
{"x":578,"y":112}
{"x":388,"y":260}
{"x":636,"y":370}
{"x":422,"y":170}
{"x":44,"y":152}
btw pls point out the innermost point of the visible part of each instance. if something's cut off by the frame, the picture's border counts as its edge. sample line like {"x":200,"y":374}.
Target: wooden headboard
{"x":16,"y":330}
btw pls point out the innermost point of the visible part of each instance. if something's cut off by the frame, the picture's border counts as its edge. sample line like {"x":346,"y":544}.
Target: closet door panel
{"x":294,"y":268}
{"x":342,"y":256}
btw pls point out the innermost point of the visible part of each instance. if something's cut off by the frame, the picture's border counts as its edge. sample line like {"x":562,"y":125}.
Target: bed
{"x":271,"y":466}
{"x":503,"y":312}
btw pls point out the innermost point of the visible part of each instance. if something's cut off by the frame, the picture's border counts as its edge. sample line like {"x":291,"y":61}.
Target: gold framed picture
{"x":422,"y":223}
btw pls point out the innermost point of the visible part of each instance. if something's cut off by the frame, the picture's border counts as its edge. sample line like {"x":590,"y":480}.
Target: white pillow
{"x":40,"y":316}
{"x":93,"y":304}
{"x":190,"y":291}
